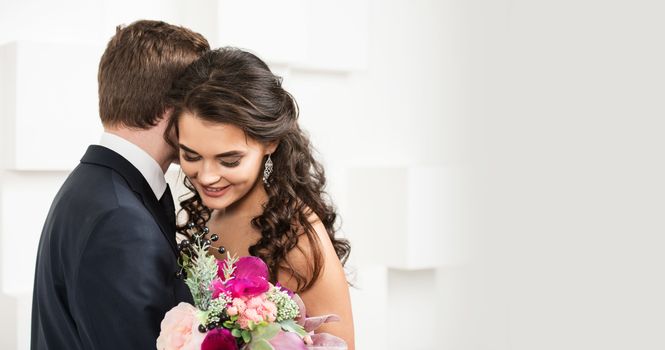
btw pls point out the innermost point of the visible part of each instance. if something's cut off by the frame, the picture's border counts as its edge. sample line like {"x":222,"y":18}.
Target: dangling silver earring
{"x":267,"y":170}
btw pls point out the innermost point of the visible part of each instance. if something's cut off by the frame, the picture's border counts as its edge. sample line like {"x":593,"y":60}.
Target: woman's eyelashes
{"x":230,"y":164}
{"x":227,"y":163}
{"x":190,"y":158}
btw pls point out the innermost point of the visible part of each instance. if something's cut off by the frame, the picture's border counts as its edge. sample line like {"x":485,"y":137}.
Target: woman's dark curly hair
{"x":232,"y":86}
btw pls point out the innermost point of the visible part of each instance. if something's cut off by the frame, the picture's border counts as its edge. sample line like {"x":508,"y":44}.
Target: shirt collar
{"x":140,"y":159}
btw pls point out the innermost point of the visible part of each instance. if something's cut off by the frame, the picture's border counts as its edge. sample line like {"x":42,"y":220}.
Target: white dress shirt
{"x":140,"y":159}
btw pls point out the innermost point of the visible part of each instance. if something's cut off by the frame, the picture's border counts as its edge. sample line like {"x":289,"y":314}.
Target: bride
{"x":254,"y":180}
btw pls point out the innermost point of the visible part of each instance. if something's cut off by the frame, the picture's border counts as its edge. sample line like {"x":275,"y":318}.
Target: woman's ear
{"x":272,"y":147}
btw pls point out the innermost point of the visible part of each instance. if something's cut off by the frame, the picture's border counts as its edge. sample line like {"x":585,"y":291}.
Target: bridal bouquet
{"x":237,"y":308}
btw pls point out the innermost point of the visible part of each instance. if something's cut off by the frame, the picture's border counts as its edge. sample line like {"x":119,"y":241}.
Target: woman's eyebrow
{"x":187,"y":149}
{"x":221,"y":155}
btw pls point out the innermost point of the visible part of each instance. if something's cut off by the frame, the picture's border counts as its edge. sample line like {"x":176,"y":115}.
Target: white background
{"x":497,"y":164}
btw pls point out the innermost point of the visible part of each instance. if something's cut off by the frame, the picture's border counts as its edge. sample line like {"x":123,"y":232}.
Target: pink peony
{"x":219,"y":339}
{"x":179,"y":329}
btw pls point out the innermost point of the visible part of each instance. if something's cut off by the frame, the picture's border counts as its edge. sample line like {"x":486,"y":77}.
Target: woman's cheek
{"x":187,"y":168}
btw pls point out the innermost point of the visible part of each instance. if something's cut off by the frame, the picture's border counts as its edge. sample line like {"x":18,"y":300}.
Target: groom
{"x":106,"y":263}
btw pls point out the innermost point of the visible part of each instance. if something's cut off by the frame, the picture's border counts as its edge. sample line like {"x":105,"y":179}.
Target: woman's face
{"x":222,"y":162}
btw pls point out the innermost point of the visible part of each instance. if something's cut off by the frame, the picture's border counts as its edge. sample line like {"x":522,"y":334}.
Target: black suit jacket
{"x":106,"y":263}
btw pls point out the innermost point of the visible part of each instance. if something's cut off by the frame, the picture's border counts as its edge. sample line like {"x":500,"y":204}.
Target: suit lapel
{"x":103,"y":156}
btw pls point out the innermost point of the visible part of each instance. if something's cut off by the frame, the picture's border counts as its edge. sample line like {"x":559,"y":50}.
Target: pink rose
{"x":252,"y":315}
{"x":179,"y":329}
{"x":255,"y":302}
{"x":255,"y":309}
{"x":270,"y":310}
{"x":239,"y":304}
{"x":232,"y":310}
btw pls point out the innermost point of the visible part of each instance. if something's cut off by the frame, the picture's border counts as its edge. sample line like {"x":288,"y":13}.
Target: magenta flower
{"x":251,"y":266}
{"x":247,"y":266}
{"x":250,"y":278}
{"x":217,"y":287}
{"x":246,"y":287}
{"x":219,"y":339}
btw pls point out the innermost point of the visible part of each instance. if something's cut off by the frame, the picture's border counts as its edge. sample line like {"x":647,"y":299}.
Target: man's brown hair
{"x":138,"y":67}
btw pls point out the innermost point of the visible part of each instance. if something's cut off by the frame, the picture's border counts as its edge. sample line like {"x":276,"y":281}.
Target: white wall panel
{"x":68,"y":21}
{"x":25,"y":199}
{"x":115,"y":12}
{"x":8,"y":323}
{"x":413,"y":305}
{"x":370,"y":300}
{"x":8,"y":72}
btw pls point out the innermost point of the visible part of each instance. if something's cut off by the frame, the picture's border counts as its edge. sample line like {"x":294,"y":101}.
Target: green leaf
{"x":266,"y":331}
{"x":292,"y":326}
{"x":246,"y":336}
{"x":236,"y":333}
{"x":260,"y":344}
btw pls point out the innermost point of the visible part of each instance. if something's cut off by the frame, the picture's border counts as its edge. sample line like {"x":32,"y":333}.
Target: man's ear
{"x":166,"y":116}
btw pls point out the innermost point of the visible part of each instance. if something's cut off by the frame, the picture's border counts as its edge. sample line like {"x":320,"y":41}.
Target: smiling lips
{"x":215,"y":191}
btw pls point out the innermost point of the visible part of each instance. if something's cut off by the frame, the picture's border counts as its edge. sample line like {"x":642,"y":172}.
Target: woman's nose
{"x":208,"y":175}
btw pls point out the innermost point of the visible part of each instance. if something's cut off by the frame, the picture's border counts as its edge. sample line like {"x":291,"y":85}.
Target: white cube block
{"x":310,"y":35}
{"x":338,"y":35}
{"x":275,"y":30}
{"x":399,"y":216}
{"x":49,"y":104}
